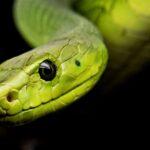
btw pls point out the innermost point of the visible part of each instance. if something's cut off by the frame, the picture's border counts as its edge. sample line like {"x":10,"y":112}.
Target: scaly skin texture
{"x":125,"y":26}
{"x":71,"y":42}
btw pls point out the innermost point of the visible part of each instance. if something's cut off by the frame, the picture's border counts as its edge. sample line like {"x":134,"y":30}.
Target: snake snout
{"x":9,"y":103}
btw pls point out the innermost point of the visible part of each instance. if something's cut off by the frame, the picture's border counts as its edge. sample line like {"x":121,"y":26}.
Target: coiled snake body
{"x":70,"y":55}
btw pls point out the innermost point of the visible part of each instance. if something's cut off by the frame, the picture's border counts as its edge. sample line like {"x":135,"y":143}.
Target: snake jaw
{"x":31,"y":114}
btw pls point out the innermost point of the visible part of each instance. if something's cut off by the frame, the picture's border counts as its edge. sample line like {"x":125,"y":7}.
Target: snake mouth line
{"x":81,"y":89}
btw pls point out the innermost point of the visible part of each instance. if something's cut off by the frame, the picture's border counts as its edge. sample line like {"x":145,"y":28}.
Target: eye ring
{"x":47,"y":70}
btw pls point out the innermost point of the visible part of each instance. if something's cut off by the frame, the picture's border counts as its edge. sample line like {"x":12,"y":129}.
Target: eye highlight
{"x":47,"y":70}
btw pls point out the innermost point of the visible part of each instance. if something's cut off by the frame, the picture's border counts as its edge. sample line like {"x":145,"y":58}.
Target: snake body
{"x":70,"y":54}
{"x":125,"y":26}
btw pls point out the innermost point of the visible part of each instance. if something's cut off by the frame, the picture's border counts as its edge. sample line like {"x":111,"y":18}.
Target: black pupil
{"x":47,"y":70}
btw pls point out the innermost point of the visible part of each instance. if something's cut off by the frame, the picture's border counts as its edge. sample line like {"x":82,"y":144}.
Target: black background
{"x":95,"y":116}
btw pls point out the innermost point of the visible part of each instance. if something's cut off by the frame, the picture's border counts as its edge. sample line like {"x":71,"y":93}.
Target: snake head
{"x":48,"y":78}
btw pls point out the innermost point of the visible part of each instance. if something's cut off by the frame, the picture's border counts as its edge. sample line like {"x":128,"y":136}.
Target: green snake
{"x":70,"y":54}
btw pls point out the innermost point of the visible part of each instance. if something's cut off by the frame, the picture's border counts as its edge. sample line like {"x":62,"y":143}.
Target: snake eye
{"x":47,"y":70}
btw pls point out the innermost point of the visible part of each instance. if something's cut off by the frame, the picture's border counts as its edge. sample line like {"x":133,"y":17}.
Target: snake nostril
{"x":9,"y":97}
{"x":13,"y":95}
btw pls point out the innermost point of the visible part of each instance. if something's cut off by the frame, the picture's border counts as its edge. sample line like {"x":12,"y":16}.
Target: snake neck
{"x":39,"y":23}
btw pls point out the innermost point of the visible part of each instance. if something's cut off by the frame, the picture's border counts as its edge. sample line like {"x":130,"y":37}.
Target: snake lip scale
{"x":86,"y":84}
